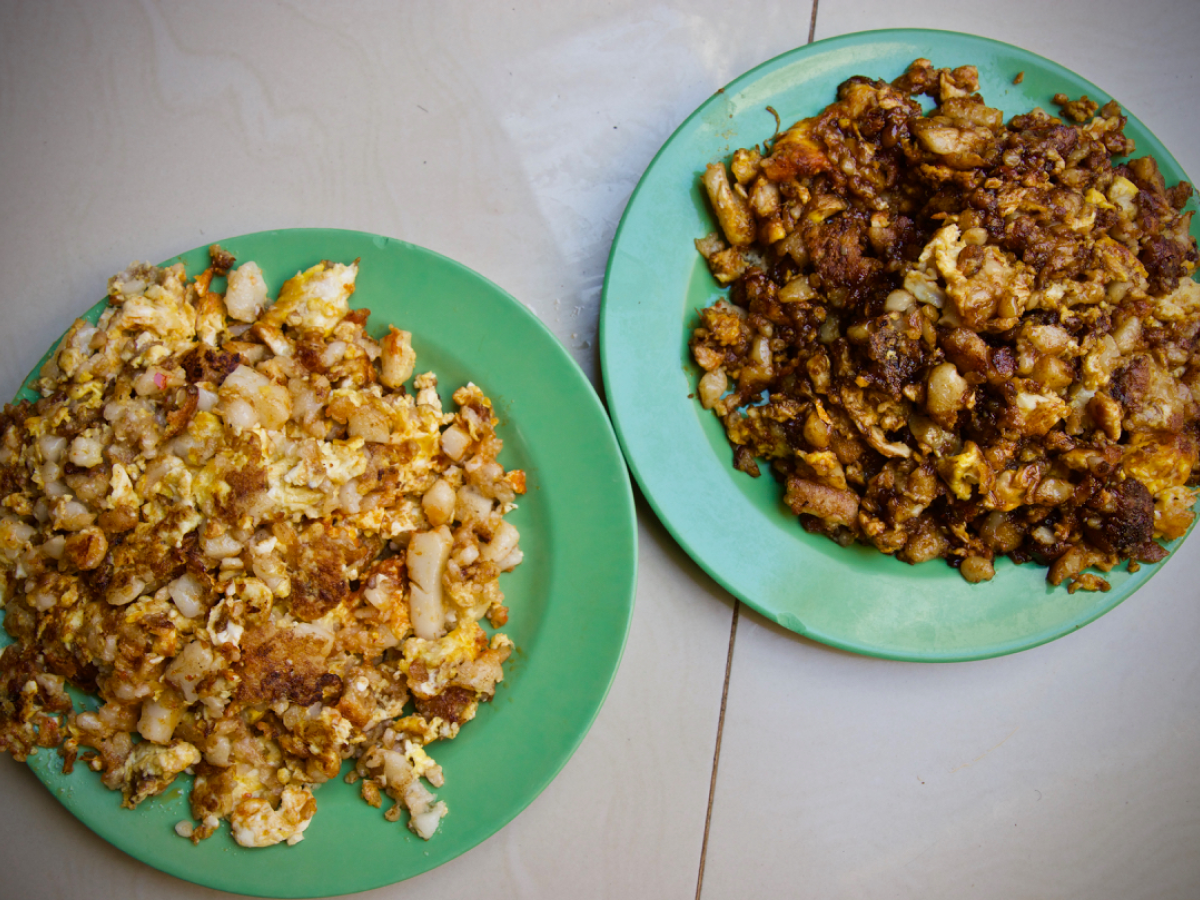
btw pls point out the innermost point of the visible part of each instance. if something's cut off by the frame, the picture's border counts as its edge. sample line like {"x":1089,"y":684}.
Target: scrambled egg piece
{"x":229,"y":520}
{"x":952,"y":336}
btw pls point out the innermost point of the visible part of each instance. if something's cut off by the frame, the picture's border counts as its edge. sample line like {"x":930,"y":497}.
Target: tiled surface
{"x":1065,"y":771}
{"x":509,"y":136}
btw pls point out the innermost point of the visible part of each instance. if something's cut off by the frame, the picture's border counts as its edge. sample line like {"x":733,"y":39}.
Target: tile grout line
{"x":712,"y":784}
{"x":737,"y":608}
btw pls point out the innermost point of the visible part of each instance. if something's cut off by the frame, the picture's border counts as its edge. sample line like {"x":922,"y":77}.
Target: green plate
{"x":734,"y":526}
{"x":570,"y":600}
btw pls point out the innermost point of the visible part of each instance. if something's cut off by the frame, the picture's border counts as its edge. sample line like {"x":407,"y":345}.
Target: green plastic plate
{"x":735,"y":526}
{"x":570,"y":600}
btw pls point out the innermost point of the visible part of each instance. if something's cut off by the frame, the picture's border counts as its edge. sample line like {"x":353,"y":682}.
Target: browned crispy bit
{"x":318,"y":584}
{"x":279,"y":664}
{"x":203,"y":363}
{"x":181,"y":415}
{"x":31,"y":702}
{"x":451,"y":705}
{"x":222,"y":259}
{"x":1076,"y":110}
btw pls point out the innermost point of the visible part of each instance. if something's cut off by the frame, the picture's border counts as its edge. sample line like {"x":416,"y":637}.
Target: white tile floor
{"x":509,"y":136}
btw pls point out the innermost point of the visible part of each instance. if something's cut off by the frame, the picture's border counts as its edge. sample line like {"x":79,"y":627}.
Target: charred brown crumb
{"x":222,"y":259}
{"x":205,"y":364}
{"x":451,"y":705}
{"x":1079,"y":110}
